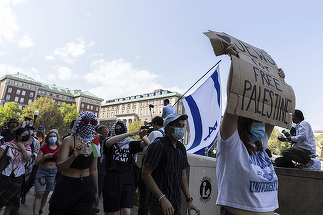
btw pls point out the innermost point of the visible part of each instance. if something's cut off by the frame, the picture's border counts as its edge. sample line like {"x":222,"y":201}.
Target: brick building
{"x":138,"y":107}
{"x":23,"y":90}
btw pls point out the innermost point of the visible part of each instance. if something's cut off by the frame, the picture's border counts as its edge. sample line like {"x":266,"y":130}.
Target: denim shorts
{"x":45,"y":179}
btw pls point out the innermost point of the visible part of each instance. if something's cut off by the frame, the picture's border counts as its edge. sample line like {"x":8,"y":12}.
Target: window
{"x":23,"y":93}
{"x":107,"y":114}
{"x":179,"y":110}
{"x":147,"y":102}
{"x":60,"y":96}
{"x":18,"y":92}
{"x":22,"y":100}
{"x":91,"y":107}
{"x":33,"y":87}
{"x":102,"y":115}
{"x":16,"y":99}
{"x":54,"y":95}
{"x":82,"y":105}
{"x":59,"y":103}
{"x":147,"y":112}
{"x":142,"y":104}
{"x":48,"y":93}
{"x":111,"y":113}
{"x":140,"y":112}
{"x":31,"y":94}
{"x":12,"y":82}
{"x":29,"y":101}
{"x":97,"y":109}
{"x":153,"y":110}
{"x":88,"y":106}
{"x":127,"y":111}
{"x":155,"y":102}
{"x":160,"y":109}
{"x":39,"y":92}
{"x":9,"y":90}
{"x":16,"y":83}
{"x":8,"y":97}
{"x":65,"y":97}
{"x":20,"y":84}
{"x":24,"y":85}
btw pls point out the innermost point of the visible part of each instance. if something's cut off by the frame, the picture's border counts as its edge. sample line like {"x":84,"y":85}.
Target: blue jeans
{"x":225,"y":211}
{"x":45,"y":179}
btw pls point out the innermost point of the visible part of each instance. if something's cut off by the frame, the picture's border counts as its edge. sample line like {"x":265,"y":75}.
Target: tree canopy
{"x":8,"y":111}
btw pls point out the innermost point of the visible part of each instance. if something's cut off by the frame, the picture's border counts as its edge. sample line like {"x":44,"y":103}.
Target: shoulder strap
{"x":74,"y":140}
{"x":163,"y":133}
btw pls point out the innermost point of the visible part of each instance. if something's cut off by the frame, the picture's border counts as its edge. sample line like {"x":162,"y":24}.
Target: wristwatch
{"x":189,"y":199}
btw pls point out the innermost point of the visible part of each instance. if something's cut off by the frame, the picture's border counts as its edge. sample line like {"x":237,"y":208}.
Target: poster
{"x":257,"y":91}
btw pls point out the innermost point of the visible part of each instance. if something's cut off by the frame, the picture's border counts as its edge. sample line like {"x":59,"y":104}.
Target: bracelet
{"x":161,"y":197}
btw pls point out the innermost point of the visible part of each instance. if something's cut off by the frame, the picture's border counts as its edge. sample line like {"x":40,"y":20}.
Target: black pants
{"x":72,"y":196}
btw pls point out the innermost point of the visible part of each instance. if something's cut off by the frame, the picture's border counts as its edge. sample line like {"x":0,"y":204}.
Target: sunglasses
{"x":91,"y":121}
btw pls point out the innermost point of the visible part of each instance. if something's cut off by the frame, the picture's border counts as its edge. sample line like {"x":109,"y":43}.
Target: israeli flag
{"x":204,"y":110}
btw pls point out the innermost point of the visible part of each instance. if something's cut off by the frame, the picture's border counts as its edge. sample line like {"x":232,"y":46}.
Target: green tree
{"x":69,"y":112}
{"x":9,"y":110}
{"x":49,"y":116}
{"x":135,"y":126}
{"x":274,"y":145}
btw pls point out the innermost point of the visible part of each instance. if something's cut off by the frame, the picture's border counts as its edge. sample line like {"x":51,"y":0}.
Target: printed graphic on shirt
{"x":121,"y":154}
{"x":266,"y":171}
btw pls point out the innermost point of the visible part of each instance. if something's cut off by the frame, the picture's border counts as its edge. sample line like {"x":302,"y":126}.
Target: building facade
{"x":139,"y":107}
{"x":23,"y":90}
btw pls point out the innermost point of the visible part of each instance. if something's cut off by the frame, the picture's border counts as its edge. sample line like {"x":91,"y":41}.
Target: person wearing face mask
{"x":118,"y":185}
{"x":164,"y":170}
{"x":76,"y":190}
{"x":45,"y":175}
{"x":11,"y":177}
{"x":247,"y":182}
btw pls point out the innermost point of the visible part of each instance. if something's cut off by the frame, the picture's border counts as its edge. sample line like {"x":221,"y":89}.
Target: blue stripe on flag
{"x":196,"y":119}
{"x":217,"y":86}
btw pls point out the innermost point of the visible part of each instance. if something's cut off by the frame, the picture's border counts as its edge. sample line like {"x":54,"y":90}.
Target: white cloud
{"x":5,"y":69}
{"x":92,"y":43}
{"x":49,"y":58}
{"x":25,"y":42}
{"x":118,"y":78}
{"x":34,"y":70}
{"x":71,"y":51}
{"x":64,"y":73}
{"x":8,"y":25}
{"x":51,"y":76}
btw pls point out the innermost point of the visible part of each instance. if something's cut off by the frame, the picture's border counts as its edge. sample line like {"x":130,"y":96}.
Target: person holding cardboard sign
{"x":247,"y":182}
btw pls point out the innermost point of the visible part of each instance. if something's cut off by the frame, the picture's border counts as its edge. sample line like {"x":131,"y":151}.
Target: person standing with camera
{"x":304,"y":142}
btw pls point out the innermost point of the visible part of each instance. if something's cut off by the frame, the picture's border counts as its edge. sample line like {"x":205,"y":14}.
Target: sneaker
{"x":307,"y":166}
{"x":23,"y":199}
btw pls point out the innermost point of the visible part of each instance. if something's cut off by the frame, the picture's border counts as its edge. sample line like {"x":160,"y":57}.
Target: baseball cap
{"x":30,"y":126}
{"x":41,"y":128}
{"x":173,"y":117}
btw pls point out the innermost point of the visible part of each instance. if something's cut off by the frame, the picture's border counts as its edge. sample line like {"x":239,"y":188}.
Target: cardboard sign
{"x":257,"y":91}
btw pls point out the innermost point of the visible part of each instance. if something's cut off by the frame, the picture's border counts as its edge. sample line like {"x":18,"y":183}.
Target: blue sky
{"x":121,"y":48}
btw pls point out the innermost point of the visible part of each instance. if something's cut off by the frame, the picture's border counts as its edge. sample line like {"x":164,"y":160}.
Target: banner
{"x":257,"y":91}
{"x":204,"y":110}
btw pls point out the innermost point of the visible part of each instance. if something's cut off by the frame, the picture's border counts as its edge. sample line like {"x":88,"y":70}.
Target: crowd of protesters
{"x":90,"y":160}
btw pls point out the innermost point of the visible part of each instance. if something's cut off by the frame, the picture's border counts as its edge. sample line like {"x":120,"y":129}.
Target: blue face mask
{"x":257,"y":131}
{"x":52,"y":140}
{"x":178,"y":133}
{"x":31,"y":132}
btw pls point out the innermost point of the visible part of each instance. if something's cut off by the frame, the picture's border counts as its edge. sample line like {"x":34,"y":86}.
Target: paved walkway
{"x":27,"y":208}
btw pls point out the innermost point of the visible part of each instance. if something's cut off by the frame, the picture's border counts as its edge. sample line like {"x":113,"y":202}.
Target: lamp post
{"x":36,"y":113}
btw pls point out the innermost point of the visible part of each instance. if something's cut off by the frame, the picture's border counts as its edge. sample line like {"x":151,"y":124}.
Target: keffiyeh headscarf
{"x":124,"y":142}
{"x":82,"y":131}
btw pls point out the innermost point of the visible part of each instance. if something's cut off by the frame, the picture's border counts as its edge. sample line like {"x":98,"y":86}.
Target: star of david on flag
{"x":204,"y":109}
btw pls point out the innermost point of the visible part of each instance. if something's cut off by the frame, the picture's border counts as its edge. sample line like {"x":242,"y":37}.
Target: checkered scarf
{"x":16,"y":153}
{"x":124,"y":142}
{"x":82,"y":131}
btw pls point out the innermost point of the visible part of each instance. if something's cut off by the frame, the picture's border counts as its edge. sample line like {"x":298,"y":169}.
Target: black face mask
{"x":25,"y":138}
{"x":119,"y":131}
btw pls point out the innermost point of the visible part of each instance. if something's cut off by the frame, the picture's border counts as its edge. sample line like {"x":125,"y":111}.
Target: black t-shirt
{"x":7,"y":135}
{"x":119,"y":158}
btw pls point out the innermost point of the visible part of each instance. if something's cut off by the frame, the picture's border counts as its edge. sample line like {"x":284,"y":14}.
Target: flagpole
{"x":197,"y":81}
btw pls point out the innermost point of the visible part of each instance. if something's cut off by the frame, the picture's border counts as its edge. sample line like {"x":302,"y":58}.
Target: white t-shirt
{"x":245,"y":182}
{"x":153,"y":136}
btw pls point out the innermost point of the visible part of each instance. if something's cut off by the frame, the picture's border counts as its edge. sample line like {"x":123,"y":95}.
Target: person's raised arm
{"x":119,"y":137}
